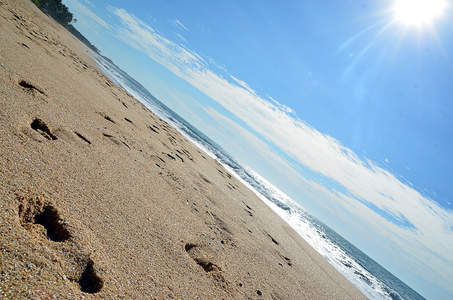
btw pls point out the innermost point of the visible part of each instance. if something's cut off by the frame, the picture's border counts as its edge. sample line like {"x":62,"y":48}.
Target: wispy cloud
{"x":180,"y":37}
{"x":89,"y":2}
{"x":179,"y":25}
{"x":91,"y":19}
{"x":367,"y":195}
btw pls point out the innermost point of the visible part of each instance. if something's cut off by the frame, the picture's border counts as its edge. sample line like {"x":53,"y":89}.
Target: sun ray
{"x":357,"y":36}
{"x":368,"y":47}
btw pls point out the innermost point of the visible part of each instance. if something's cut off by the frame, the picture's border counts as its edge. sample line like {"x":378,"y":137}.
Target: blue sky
{"x":339,"y":104}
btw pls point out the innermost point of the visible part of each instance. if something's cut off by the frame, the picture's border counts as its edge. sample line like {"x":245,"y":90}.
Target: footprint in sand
{"x":154,"y":129}
{"x":204,"y":178}
{"x":115,"y":140}
{"x":83,"y":138}
{"x":29,"y":86}
{"x":273,"y":240}
{"x":34,"y":211}
{"x":106,"y":117}
{"x":286,"y":259}
{"x":248,"y":210}
{"x":41,"y":127}
{"x":185,"y":152}
{"x":198,"y":255}
{"x":41,"y":217}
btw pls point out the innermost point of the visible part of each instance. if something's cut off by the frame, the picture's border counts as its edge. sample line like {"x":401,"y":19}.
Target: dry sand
{"x":99,"y":198}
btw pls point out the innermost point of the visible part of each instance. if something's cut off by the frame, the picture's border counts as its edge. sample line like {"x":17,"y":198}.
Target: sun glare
{"x":418,"y":12}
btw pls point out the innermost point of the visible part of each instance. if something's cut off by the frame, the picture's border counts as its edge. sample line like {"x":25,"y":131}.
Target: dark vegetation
{"x":60,"y":12}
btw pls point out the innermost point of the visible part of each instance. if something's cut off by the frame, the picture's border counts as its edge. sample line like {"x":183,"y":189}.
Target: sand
{"x":100,"y":198}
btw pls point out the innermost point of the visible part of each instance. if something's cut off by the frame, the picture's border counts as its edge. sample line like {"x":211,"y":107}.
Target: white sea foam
{"x":362,"y":279}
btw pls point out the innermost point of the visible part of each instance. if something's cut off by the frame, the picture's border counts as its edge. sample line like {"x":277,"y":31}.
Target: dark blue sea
{"x":367,"y":275}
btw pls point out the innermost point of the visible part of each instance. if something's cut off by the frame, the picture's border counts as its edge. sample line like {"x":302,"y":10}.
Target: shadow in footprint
{"x":153,"y":130}
{"x":34,"y":211}
{"x":89,"y":281}
{"x":112,"y":139}
{"x":50,"y":219}
{"x":106,"y":117}
{"x":287,"y":260}
{"x":197,"y":255}
{"x":182,"y":159}
{"x":28,"y":85}
{"x":204,"y":178}
{"x":273,"y":240}
{"x":83,"y":138}
{"x":41,"y":127}
{"x":109,"y":119}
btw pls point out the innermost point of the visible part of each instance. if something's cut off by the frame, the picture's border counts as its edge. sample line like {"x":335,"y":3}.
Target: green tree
{"x":56,"y":9}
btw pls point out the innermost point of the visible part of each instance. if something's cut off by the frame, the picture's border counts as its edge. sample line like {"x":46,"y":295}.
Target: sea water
{"x":367,"y":275}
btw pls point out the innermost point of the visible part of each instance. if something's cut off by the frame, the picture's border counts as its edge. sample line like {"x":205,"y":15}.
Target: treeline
{"x":82,"y":38}
{"x":60,"y":13}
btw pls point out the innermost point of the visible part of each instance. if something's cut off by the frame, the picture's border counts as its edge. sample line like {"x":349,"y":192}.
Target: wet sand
{"x":100,"y":198}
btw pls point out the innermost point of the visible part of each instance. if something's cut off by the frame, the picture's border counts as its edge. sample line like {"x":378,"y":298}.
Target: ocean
{"x":367,"y":275}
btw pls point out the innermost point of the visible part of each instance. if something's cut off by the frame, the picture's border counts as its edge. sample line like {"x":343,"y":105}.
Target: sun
{"x":418,"y":12}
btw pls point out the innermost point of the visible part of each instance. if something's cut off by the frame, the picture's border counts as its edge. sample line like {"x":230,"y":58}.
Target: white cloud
{"x":89,"y":2}
{"x":255,"y":146}
{"x":90,"y":17}
{"x":179,"y":25}
{"x":376,"y":198}
{"x":179,"y":36}
{"x":243,"y":84}
{"x":282,"y":106}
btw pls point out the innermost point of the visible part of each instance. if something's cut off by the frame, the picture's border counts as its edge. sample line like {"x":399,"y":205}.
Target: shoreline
{"x":100,"y":198}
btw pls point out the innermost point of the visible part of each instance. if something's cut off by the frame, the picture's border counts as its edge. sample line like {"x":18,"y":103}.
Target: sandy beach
{"x":101,"y":199}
